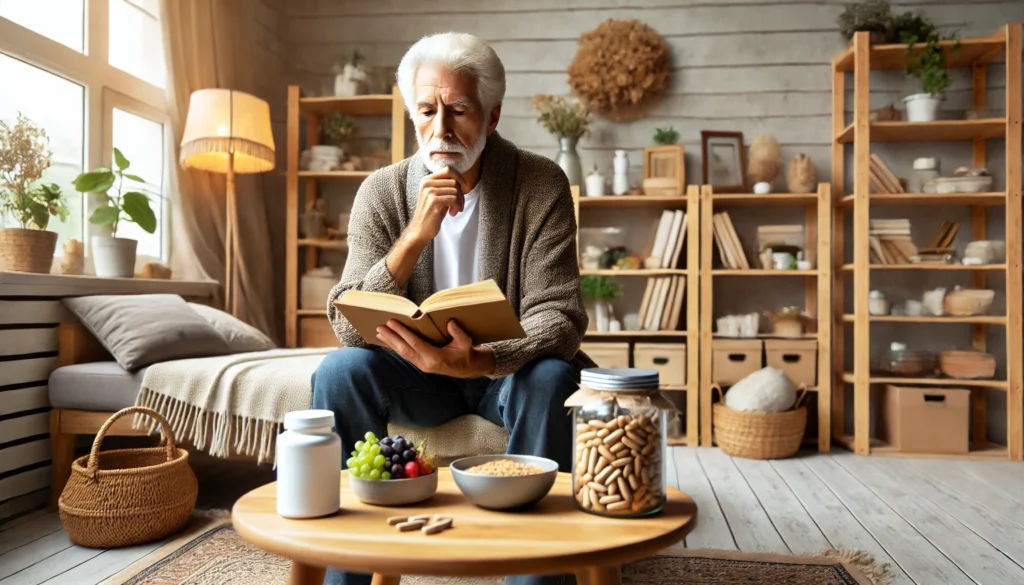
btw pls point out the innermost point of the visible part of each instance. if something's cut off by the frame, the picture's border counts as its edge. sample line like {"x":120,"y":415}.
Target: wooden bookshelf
{"x":688,"y":202}
{"x":815,"y":211}
{"x":860,"y":59}
{"x":304,"y":327}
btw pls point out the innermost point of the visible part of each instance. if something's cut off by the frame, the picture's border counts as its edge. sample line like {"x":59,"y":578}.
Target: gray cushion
{"x":96,"y":386}
{"x":241,"y":336}
{"x":139,"y":330}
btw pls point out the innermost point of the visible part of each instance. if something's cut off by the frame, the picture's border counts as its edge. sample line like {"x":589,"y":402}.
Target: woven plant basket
{"x":126,"y":497}
{"x":23,"y":250}
{"x":759,"y":435}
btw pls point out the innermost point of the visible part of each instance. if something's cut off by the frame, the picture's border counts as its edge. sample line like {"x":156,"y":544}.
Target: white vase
{"x":114,"y":257}
{"x":620,"y":180}
{"x":602,"y":314}
{"x":595,"y":184}
{"x":922,"y":107}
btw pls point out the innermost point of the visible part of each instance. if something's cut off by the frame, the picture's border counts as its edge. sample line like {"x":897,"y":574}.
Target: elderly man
{"x":468,"y":206}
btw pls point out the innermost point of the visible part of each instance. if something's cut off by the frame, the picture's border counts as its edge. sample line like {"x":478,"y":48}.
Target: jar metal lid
{"x":298,"y":420}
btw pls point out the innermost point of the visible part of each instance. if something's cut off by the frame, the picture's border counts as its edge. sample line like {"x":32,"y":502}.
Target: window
{"x":91,"y":73}
{"x":56,"y":105}
{"x":60,"y":20}
{"x":135,"y":40}
{"x":141,"y":141}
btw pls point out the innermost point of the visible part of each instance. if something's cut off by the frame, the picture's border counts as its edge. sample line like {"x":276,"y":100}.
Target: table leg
{"x":598,"y":576}
{"x":302,"y":574}
{"x":379,"y":579}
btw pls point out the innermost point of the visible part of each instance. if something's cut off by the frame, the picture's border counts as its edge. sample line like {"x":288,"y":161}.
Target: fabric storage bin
{"x":607,"y":355}
{"x":796,"y":357}
{"x":734,"y":359}
{"x":926,"y":420}
{"x":669,"y":359}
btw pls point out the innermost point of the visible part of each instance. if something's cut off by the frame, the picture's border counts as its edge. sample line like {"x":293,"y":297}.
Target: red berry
{"x":412,"y":470}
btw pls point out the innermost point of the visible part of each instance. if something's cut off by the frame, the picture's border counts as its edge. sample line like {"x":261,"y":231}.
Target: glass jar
{"x":619,"y":463}
{"x":900,"y":361}
{"x":926,"y":169}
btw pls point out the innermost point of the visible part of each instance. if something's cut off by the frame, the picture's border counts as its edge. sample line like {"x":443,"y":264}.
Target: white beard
{"x":464,"y":163}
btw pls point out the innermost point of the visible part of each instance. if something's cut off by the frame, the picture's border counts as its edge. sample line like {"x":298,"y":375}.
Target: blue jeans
{"x":367,"y":388}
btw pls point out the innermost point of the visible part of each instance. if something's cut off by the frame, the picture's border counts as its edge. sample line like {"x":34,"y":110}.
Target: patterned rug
{"x":210,"y":552}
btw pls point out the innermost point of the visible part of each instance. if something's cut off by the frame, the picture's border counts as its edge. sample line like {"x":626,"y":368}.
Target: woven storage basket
{"x":128,"y":496}
{"x":23,"y":250}
{"x":759,"y":435}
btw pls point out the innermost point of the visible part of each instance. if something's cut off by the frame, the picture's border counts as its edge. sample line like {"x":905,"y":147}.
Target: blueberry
{"x":385,"y":442}
{"x":399,"y":445}
{"x":396,"y":469}
{"x":397,"y":458}
{"x":386,"y":450}
{"x":409,"y":455}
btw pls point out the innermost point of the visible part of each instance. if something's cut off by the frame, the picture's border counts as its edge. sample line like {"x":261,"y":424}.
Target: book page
{"x":485,"y":291}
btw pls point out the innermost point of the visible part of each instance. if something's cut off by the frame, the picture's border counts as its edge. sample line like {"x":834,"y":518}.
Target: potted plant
{"x":873,"y":16}
{"x":600,"y":291}
{"x":927,"y":63}
{"x":567,"y":121}
{"x":23,"y":158}
{"x":114,"y":257}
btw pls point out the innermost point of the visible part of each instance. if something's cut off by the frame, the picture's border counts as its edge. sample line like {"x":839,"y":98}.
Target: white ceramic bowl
{"x":500,"y":492}
{"x":394,"y":492}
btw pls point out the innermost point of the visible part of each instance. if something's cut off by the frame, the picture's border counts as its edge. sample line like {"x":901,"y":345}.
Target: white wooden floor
{"x":935,"y":521}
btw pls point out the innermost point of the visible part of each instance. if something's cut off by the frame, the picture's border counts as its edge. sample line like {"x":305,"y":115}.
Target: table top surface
{"x":552,"y":536}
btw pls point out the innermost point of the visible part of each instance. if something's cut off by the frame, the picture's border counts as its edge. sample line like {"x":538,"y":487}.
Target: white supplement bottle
{"x":308,"y":465}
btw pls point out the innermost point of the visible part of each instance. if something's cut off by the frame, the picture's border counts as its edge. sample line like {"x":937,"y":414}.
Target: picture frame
{"x":723,"y":161}
{"x":664,"y":171}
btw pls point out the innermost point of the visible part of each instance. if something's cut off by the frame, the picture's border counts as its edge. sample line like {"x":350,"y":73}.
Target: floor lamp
{"x":228,"y":132}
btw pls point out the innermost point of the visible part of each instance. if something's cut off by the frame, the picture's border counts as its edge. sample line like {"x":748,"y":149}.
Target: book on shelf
{"x":677,"y":235}
{"x":481,"y":309}
{"x":665,"y":248}
{"x":677,"y":304}
{"x":662,"y":304}
{"x":890,"y":241}
{"x":882,"y":179}
{"x":661,"y":235}
{"x":729,"y":248}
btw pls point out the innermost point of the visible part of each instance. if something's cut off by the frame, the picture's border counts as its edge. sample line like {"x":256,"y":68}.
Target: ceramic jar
{"x":925,"y":169}
{"x":620,"y":180}
{"x":877,"y":303}
{"x":595,"y":183}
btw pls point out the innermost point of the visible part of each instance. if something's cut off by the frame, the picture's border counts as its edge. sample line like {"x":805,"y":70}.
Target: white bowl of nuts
{"x":502,"y":482}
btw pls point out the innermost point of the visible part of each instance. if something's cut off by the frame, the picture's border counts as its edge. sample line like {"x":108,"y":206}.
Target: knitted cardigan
{"x":527,"y":245}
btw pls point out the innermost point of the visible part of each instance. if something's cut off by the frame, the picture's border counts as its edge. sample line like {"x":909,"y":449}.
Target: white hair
{"x":460,"y":53}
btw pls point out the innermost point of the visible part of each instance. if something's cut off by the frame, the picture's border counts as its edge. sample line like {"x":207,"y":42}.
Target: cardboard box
{"x":734,"y":359}
{"x":608,"y":355}
{"x":926,"y":420}
{"x":668,"y":358}
{"x":796,"y":357}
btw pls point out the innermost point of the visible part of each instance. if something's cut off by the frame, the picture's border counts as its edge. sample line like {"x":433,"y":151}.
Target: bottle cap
{"x":925,"y":163}
{"x":298,"y":420}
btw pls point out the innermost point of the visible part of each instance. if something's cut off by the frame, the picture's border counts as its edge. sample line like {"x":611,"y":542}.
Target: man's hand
{"x":440,"y":193}
{"x":458,"y":359}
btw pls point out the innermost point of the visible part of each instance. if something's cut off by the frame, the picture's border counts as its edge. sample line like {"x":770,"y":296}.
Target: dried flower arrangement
{"x":621,"y":66}
{"x":24,"y":156}
{"x":560,"y":117}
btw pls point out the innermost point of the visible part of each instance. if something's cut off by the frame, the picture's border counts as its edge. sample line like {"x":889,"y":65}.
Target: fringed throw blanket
{"x":233,"y":403}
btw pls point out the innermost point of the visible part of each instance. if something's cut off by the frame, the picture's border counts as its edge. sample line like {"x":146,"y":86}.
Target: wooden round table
{"x":552,"y":537}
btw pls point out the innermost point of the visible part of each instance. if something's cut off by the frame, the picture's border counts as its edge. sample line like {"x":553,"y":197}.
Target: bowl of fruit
{"x":391,"y":471}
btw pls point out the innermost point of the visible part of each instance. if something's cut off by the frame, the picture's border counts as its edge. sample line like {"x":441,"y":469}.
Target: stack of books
{"x":662,"y":305}
{"x":666,"y":248}
{"x":882,"y":179}
{"x":729,"y":248}
{"x":890,"y":241}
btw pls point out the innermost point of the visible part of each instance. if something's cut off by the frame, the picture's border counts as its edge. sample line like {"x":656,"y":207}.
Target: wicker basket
{"x":23,"y":250}
{"x":126,"y":497}
{"x":759,"y":435}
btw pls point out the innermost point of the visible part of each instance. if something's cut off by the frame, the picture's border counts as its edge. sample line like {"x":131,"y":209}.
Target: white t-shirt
{"x":456,"y":246}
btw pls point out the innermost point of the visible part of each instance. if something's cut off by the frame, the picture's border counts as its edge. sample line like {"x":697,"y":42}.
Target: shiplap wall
{"x":755,"y":66}
{"x":30,"y":310}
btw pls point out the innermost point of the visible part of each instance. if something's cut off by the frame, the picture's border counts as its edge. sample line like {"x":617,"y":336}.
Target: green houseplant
{"x":666,"y":136}
{"x":115,"y":257}
{"x":926,"y":61}
{"x":600,"y":291}
{"x":24,"y":156}
{"x":568,"y":121}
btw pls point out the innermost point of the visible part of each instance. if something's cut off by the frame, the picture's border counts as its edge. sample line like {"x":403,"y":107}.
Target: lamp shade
{"x":223,"y":121}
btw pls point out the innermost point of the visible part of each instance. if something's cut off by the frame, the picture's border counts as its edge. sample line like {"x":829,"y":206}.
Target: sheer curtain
{"x":207,"y":44}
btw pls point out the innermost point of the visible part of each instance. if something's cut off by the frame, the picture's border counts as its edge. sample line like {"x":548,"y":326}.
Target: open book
{"x":480,"y":308}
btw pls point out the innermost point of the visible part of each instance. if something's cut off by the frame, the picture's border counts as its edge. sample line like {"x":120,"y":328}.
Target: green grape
{"x":354,"y":472}
{"x":351,"y":462}
{"x":375,"y":450}
{"x":364,"y":469}
{"x":378,"y":461}
{"x":369,"y":436}
{"x":374,"y":474}
{"x":385,"y":475}
{"x":354,"y":453}
{"x":359,"y":445}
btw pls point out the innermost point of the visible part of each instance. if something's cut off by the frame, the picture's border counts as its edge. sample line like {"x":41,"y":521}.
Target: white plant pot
{"x":922,"y":107}
{"x":114,"y":257}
